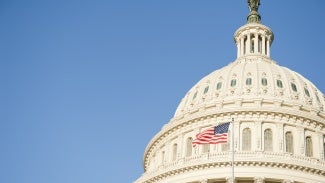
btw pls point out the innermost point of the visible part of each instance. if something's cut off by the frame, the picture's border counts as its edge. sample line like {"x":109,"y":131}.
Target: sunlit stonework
{"x":279,"y":122}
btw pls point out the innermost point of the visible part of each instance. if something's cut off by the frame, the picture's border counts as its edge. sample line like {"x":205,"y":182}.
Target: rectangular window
{"x":279,"y":83}
{"x":264,"y":81}
{"x":206,"y":89}
{"x":317,"y":97}
{"x":293,"y":87}
{"x":233,"y":82}
{"x":249,"y":81}
{"x":194,"y":96}
{"x":307,"y":92}
{"x":219,"y":85}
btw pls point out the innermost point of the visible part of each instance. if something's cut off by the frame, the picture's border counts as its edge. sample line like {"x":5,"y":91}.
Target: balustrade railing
{"x":241,"y":156}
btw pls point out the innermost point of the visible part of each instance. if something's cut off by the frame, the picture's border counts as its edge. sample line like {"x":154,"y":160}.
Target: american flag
{"x":213,"y":135}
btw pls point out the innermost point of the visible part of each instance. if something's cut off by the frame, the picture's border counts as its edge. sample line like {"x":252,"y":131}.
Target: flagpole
{"x":233,"y":151}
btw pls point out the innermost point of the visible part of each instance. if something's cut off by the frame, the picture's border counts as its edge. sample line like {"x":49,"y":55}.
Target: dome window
{"x":279,"y":83}
{"x":293,"y":87}
{"x":174,"y":155}
{"x":317,"y":97}
{"x":268,"y":142}
{"x":289,"y":142}
{"x":225,"y":146}
{"x":307,"y":92}
{"x":162,"y":159}
{"x":206,"y":89}
{"x":189,"y":147}
{"x":249,"y":81}
{"x":233,"y":82}
{"x":194,"y":96}
{"x":246,"y":140}
{"x":264,"y":81}
{"x":309,"y":147}
{"x":206,"y":148}
{"x":219,"y":85}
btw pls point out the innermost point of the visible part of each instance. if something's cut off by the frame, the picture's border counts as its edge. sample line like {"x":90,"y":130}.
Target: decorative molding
{"x":259,"y":180}
{"x":174,"y":128}
{"x":177,"y":168}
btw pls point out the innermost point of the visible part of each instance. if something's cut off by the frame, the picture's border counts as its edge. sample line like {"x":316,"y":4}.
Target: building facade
{"x":278,"y":130}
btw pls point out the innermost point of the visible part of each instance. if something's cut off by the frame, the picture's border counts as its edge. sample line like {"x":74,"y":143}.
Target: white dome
{"x":278,"y":124}
{"x":251,"y":79}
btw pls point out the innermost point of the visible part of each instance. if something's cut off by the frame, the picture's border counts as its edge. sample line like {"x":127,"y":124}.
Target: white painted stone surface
{"x":257,"y":107}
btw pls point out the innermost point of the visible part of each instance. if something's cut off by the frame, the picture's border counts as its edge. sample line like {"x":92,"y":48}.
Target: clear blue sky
{"x":86,"y":84}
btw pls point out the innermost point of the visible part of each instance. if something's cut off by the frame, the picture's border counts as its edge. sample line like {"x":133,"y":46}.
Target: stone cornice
{"x":288,"y":115}
{"x":242,"y":159}
{"x":254,"y":27}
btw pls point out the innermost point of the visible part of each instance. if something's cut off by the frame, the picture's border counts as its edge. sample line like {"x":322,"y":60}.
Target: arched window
{"x":245,"y":43}
{"x":264,"y":81}
{"x":174,"y":152}
{"x":252,"y":43}
{"x":307,"y":92}
{"x":289,"y":142}
{"x":233,"y":83}
{"x":249,"y":81}
{"x":246,"y":139}
{"x":309,"y":147}
{"x":293,"y":87}
{"x":162,"y":159}
{"x":279,"y":83}
{"x":206,"y":148}
{"x":189,"y":147}
{"x":318,"y":100}
{"x":259,"y":44}
{"x":268,"y":142}
{"x":206,"y":89}
{"x":219,"y":85}
{"x":194,"y":96}
{"x":225,"y":146}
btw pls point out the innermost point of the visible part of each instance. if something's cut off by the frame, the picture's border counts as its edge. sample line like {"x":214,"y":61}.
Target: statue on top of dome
{"x":253,"y":5}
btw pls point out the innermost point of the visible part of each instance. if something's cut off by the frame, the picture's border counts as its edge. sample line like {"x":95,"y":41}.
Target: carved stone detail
{"x":259,"y":180}
{"x":204,"y":181}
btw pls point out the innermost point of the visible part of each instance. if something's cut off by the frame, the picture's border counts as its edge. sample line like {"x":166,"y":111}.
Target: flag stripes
{"x":213,"y":135}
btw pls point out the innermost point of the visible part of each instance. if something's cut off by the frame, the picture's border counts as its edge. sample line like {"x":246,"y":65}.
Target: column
{"x":167,"y":154}
{"x":258,"y":128}
{"x":162,"y":156}
{"x":180,"y":146}
{"x":300,"y":141}
{"x":256,"y":43}
{"x":248,"y":43}
{"x":263,"y":45}
{"x":242,"y":46}
{"x":258,"y":180}
{"x":236,"y":132}
{"x":279,"y":138}
{"x":268,"y":47}
{"x":195,"y":150}
{"x":321,"y":145}
{"x":238,"y":48}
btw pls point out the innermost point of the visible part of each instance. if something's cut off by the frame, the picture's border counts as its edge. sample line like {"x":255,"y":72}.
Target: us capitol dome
{"x":278,"y":122}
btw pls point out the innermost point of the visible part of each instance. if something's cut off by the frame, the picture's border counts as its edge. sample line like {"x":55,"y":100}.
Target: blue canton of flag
{"x":213,"y":135}
{"x":223,"y":128}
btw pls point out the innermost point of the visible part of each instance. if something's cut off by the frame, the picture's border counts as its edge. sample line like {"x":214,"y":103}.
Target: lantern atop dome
{"x":253,"y":38}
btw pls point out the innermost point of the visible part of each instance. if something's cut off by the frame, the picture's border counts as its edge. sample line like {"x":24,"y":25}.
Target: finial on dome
{"x":254,"y":16}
